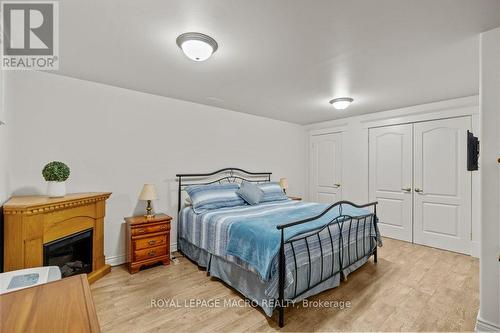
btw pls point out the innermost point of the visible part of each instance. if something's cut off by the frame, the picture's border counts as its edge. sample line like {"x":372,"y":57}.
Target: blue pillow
{"x":250,"y":193}
{"x":213,"y":196}
{"x":272,"y":192}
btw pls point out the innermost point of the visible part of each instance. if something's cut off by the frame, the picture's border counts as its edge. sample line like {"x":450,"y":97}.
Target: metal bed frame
{"x":237,"y":175}
{"x":339,"y":222}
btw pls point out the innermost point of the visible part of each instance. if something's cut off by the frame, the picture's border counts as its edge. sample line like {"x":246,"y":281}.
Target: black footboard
{"x":334,"y":241}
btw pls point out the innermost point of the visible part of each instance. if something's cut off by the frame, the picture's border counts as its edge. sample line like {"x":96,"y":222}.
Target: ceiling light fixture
{"x":341,"y":103}
{"x":197,"y":46}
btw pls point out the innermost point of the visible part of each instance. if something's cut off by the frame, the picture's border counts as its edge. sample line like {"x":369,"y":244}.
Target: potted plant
{"x":56,"y":173}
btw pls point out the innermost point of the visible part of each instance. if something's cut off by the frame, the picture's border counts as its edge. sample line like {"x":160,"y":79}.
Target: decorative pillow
{"x":188,"y":202}
{"x":213,"y":196}
{"x":250,"y":193}
{"x":272,"y":192}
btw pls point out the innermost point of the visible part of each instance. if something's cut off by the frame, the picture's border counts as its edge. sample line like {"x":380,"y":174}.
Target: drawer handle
{"x":163,"y":227}
{"x":141,"y":231}
{"x":152,"y":242}
{"x":151,"y":253}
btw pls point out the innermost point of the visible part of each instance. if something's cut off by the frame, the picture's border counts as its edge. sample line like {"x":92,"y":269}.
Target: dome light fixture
{"x":197,"y":46}
{"x":341,"y":103}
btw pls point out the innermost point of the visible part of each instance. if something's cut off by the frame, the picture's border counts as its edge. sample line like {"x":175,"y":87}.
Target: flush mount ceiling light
{"x":197,"y":46}
{"x":341,"y":103}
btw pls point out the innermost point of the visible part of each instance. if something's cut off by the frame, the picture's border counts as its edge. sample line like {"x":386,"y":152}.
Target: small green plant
{"x":56,"y":172}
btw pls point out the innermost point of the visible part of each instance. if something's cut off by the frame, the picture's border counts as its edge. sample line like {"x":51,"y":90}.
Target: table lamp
{"x":284,"y":184}
{"x":148,"y":193}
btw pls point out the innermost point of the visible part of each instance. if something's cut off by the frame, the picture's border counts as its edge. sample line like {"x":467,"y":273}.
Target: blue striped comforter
{"x":247,"y":235}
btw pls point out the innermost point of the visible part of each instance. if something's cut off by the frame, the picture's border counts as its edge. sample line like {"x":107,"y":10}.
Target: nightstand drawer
{"x":150,"y":242}
{"x":150,"y":229}
{"x":150,"y":253}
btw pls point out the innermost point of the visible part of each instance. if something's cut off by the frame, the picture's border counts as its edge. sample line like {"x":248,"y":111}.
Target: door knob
{"x":407,"y":189}
{"x":418,"y":190}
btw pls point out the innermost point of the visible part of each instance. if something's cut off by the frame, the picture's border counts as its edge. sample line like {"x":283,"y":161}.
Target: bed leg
{"x":209,"y":265}
{"x":375,"y":219}
{"x":281,"y":281}
{"x":281,"y":319}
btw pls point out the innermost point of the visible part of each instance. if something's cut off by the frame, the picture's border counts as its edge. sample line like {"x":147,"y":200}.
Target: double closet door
{"x":418,"y":174}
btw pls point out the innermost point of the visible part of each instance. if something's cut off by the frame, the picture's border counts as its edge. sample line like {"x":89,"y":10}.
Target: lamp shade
{"x":148,"y":192}
{"x":284,"y":183}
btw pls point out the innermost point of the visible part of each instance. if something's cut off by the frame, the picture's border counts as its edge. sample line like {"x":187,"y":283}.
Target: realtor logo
{"x":30,"y":35}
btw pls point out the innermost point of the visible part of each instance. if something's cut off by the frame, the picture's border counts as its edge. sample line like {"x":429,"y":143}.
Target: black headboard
{"x":226,"y":175}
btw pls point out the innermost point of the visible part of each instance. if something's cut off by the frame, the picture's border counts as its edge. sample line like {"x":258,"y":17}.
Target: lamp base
{"x":149,"y":210}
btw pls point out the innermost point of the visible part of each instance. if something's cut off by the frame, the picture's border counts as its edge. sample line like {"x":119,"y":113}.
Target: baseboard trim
{"x":173,"y":247}
{"x":116,"y":260}
{"x":486,"y":326}
{"x":122,"y":258}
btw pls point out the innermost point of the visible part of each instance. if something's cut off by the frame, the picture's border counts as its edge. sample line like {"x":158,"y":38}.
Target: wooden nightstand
{"x":148,"y":241}
{"x":294,"y":198}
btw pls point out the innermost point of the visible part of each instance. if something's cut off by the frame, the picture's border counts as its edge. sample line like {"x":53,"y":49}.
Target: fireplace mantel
{"x":32,"y":221}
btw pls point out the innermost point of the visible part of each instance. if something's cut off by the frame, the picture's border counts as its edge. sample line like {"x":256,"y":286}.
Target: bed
{"x":279,"y":252}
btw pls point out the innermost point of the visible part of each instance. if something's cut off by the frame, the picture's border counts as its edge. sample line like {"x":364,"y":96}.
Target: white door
{"x":326,"y":168}
{"x":442,"y":208}
{"x":390,"y":179}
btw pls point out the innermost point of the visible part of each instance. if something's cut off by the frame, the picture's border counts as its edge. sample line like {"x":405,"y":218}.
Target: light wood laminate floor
{"x":412,"y":288}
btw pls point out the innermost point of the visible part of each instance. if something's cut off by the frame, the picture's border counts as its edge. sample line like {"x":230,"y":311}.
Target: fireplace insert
{"x":73,"y":253}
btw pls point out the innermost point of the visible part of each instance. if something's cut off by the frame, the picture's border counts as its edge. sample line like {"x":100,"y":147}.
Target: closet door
{"x":442,"y":216}
{"x":326,"y":168}
{"x":390,"y":179}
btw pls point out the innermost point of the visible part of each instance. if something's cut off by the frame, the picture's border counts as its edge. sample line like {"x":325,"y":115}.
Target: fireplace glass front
{"x":73,"y":254}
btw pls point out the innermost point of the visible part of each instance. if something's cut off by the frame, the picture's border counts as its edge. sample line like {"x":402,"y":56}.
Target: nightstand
{"x":294,"y":198}
{"x":148,"y":241}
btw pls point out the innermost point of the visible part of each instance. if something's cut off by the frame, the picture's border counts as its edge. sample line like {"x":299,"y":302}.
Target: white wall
{"x":4,"y":188}
{"x":355,"y":146}
{"x":116,"y":140}
{"x":489,"y":313}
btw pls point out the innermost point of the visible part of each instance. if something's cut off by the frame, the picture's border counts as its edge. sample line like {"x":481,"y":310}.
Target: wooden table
{"x":60,"y":306}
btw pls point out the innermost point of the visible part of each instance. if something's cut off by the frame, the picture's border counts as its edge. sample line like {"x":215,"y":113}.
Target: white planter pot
{"x":56,"y":189}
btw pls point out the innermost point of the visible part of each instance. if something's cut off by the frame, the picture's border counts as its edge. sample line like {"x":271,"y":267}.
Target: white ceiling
{"x":282,"y":59}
